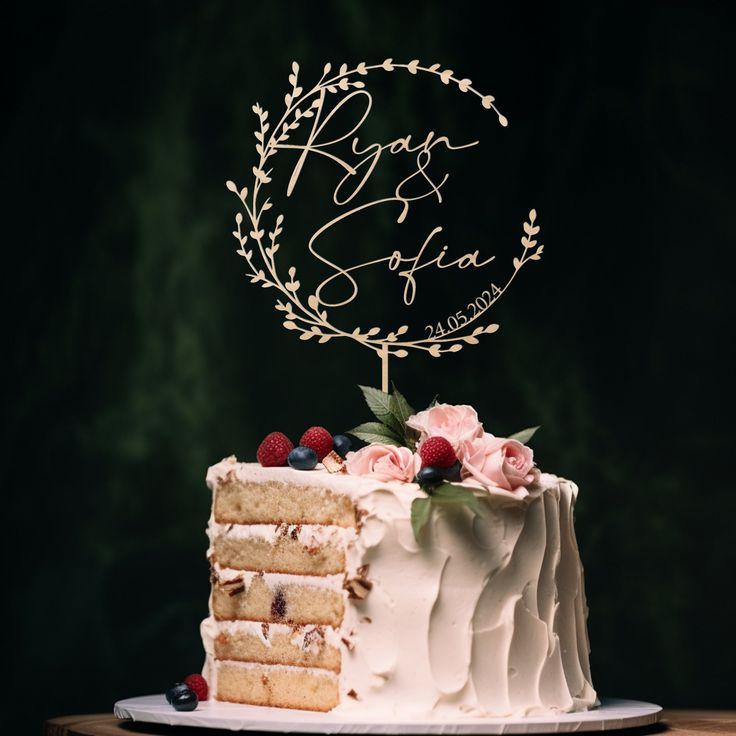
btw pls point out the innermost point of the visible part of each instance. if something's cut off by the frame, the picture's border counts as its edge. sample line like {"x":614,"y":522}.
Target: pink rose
{"x":384,"y":463}
{"x":456,"y":423}
{"x":498,"y":462}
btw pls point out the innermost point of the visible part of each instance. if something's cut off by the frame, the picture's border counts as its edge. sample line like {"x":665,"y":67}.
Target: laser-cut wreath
{"x":308,"y":315}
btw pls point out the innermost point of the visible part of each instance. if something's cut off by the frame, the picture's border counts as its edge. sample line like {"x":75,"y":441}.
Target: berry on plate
{"x":303,"y":458}
{"x":175,"y":689}
{"x":319,"y":440}
{"x":198,"y":685}
{"x":274,"y":450}
{"x":437,"y":452}
{"x":184,"y":699}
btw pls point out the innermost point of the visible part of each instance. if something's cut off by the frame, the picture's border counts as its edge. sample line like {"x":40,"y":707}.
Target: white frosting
{"x":486,"y":616}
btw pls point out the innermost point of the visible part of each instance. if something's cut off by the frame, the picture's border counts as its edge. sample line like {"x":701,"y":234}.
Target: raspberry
{"x":274,"y":450}
{"x":198,"y":685}
{"x":319,"y":440}
{"x":437,"y":452}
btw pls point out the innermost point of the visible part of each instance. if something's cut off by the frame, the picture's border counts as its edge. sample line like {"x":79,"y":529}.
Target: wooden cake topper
{"x":307,"y":314}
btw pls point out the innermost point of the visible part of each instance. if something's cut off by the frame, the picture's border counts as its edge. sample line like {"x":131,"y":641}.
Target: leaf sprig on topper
{"x":392,"y":412}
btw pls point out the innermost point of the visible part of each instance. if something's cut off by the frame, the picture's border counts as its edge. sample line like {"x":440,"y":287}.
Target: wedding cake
{"x":434,"y":575}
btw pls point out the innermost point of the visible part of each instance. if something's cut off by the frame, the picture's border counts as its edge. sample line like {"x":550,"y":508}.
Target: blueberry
{"x":184,"y":699}
{"x":341,"y":444}
{"x":302,"y":458}
{"x":174,"y":690}
{"x":453,"y":472}
{"x":429,"y":476}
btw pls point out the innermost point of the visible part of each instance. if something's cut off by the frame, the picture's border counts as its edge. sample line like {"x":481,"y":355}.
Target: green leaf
{"x":450,"y":494}
{"x":380,"y":404}
{"x":375,"y":432}
{"x":447,"y":494}
{"x":421,"y":508}
{"x":400,"y":407}
{"x":433,"y":403}
{"x":525,"y":435}
{"x":402,"y":410}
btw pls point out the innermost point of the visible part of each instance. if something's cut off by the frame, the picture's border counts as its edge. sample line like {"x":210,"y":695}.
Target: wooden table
{"x":679,"y":722}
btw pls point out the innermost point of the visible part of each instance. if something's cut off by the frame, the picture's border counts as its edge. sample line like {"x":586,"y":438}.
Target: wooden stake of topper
{"x":308,"y":314}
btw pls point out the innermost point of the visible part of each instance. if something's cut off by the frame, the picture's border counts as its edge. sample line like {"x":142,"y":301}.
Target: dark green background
{"x":136,"y":353}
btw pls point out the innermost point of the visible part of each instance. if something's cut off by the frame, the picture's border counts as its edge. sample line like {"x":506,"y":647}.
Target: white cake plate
{"x":611,"y":714}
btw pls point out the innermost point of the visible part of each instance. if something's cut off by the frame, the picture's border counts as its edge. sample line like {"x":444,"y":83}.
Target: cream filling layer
{"x":313,"y":671}
{"x":310,"y":535}
{"x":211,"y":628}
{"x":277,"y":579}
